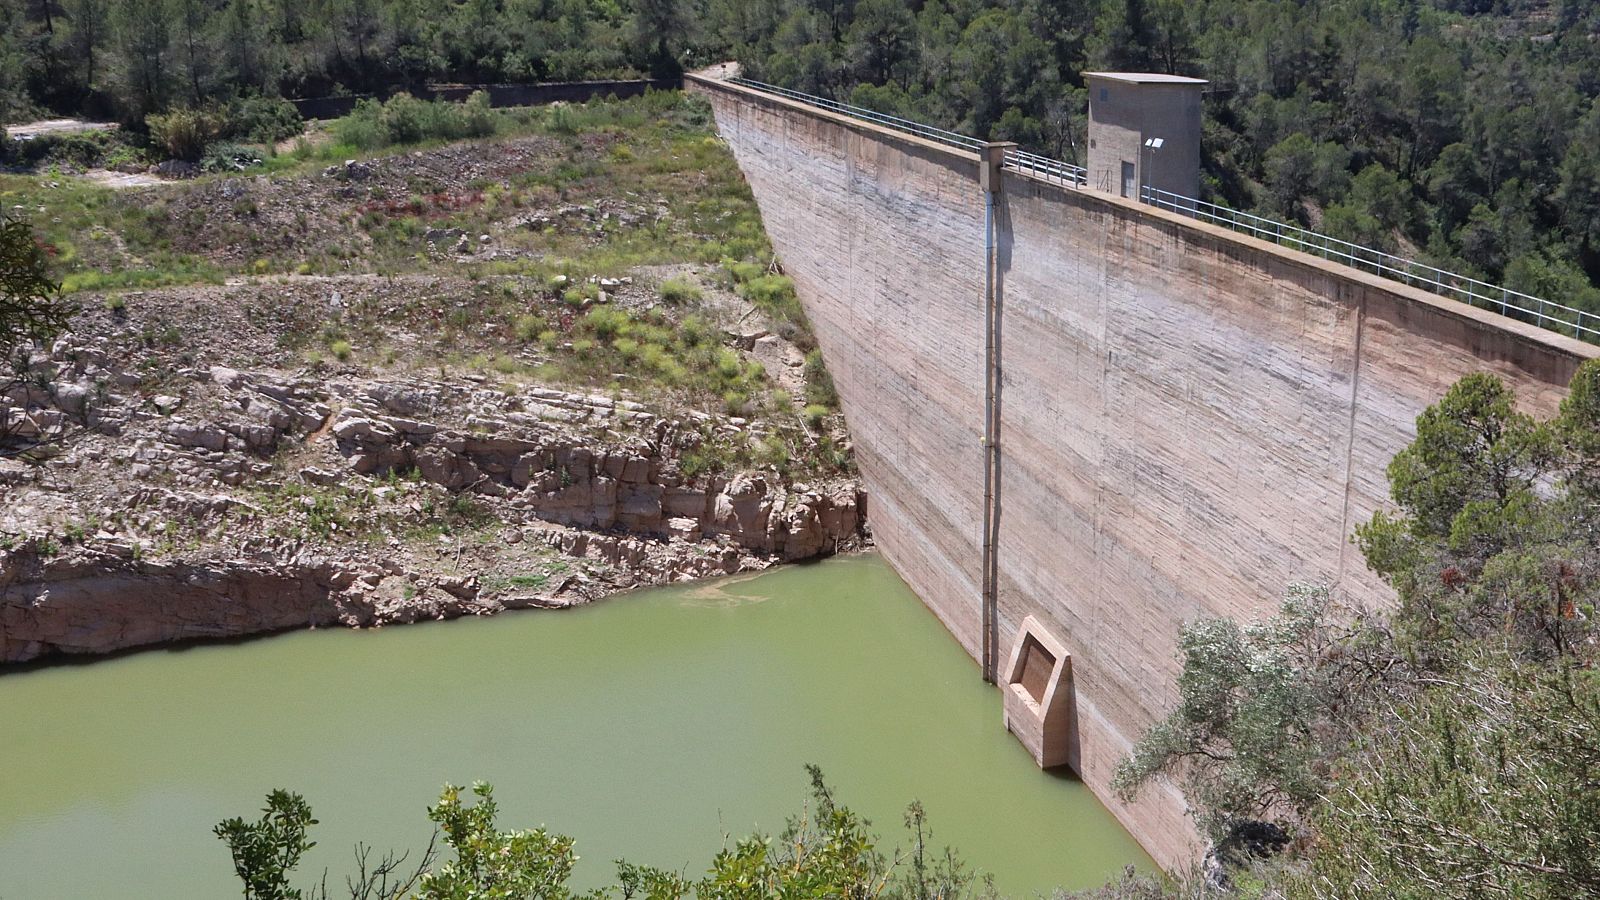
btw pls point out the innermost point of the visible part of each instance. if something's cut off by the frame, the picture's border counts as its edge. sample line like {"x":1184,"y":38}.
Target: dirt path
{"x":121,"y":180}
{"x":32,"y":130}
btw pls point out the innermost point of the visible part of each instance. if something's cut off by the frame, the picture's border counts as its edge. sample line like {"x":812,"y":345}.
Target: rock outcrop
{"x":108,"y":599}
{"x":564,"y":480}
{"x":219,"y":502}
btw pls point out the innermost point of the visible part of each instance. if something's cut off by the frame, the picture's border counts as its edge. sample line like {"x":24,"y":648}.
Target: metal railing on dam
{"x":1047,"y":169}
{"x":1547,"y":314}
{"x":952,"y":138}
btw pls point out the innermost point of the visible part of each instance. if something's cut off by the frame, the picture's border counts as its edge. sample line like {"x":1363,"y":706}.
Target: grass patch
{"x":679,"y":292}
{"x":136,"y":279}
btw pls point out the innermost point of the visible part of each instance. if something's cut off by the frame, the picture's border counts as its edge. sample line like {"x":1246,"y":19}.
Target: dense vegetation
{"x":1465,"y":132}
{"x":31,"y":310}
{"x":1447,"y":749}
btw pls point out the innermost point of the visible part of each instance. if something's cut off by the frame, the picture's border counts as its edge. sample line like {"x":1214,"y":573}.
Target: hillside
{"x":430,"y":380}
{"x":1463,"y":132}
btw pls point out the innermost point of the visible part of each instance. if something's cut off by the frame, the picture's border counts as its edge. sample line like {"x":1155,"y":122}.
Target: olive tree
{"x":1248,"y":732}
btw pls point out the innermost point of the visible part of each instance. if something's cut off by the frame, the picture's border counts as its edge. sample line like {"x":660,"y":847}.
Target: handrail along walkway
{"x":917,"y":128}
{"x":1546,"y":314}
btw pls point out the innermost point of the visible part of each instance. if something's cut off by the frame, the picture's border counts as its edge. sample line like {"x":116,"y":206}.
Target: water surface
{"x":645,"y":726}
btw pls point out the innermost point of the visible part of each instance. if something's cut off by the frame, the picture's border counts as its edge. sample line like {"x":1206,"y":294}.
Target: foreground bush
{"x":1482,"y":786}
{"x":825,"y":852}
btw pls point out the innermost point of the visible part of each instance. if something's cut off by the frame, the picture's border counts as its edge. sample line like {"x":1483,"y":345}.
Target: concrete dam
{"x":1129,"y":421}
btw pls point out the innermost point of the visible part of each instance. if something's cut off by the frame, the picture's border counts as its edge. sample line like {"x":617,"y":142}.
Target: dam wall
{"x":1188,"y":419}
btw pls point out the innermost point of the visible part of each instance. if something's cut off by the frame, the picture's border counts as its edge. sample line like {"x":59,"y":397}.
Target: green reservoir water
{"x":645,"y":726}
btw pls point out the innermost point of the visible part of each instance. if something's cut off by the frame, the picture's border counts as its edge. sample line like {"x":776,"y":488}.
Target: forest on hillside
{"x":1465,"y":133}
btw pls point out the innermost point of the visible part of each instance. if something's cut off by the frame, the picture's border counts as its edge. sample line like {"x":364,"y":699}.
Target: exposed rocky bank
{"x":214,"y":488}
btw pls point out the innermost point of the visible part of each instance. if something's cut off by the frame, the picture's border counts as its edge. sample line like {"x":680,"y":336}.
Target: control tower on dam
{"x":1086,"y":420}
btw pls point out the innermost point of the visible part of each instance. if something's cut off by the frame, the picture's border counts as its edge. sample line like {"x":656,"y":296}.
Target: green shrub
{"x":729,"y":365}
{"x":605,"y":322}
{"x":678,"y":291}
{"x":405,"y":119}
{"x":562,"y":120}
{"x":529,"y":328}
{"x":814,"y":415}
{"x":363,"y":129}
{"x":819,"y":382}
{"x":341,"y":349}
{"x":79,"y":148}
{"x":775,"y":296}
{"x":124,"y":155}
{"x":185,"y":133}
{"x":694,"y":463}
{"x":477,"y":119}
{"x":744,"y":271}
{"x":264,"y":120}
{"x":772,"y":452}
{"x":695,"y":331}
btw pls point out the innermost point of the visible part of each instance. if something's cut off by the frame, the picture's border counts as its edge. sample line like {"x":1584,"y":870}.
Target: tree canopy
{"x":1463,"y":133}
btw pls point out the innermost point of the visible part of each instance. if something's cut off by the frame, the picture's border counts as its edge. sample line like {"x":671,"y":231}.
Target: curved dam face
{"x":1188,"y":419}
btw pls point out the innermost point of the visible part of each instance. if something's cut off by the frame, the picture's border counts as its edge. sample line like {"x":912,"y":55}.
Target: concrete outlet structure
{"x":1087,"y":422}
{"x":1037,"y":696}
{"x":1144,"y":131}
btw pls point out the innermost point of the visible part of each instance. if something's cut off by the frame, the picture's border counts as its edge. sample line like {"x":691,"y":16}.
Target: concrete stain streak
{"x":1349,"y":447}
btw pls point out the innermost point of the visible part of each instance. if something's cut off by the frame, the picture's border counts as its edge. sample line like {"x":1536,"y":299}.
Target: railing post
{"x":993,"y":155}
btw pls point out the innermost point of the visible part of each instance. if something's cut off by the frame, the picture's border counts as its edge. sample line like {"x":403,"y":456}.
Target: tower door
{"x":1129,"y":188}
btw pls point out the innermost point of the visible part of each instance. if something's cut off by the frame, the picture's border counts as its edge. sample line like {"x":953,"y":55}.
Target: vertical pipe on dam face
{"x":989,"y":642}
{"x":994,"y":154}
